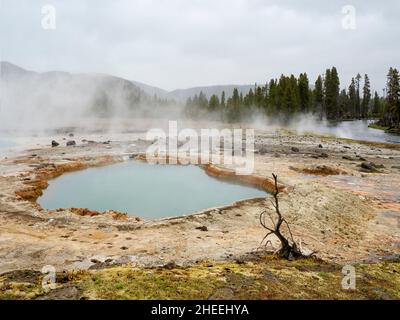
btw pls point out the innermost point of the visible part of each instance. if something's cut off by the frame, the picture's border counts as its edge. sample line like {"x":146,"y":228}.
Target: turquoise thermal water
{"x":138,"y":188}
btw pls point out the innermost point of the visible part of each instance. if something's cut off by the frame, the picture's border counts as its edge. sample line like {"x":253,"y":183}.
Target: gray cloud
{"x":180,"y":43}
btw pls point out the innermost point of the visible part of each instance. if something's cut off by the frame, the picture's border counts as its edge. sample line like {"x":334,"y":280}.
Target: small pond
{"x":149,"y":191}
{"x":357,"y":130}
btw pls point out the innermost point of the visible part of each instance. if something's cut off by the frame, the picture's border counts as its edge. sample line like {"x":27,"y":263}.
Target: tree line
{"x":290,"y":95}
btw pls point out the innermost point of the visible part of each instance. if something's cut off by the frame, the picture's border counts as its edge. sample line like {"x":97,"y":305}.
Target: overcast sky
{"x":183,"y":43}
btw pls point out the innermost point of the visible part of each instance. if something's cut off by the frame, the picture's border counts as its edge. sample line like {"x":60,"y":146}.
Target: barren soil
{"x":334,"y":208}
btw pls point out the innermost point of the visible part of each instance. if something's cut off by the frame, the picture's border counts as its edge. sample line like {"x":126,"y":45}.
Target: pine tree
{"x":366,"y":97}
{"x":376,"y":110}
{"x":250,"y":99}
{"x":259,"y":97}
{"x":392,"y":112}
{"x":223,"y":99}
{"x":304,"y":93}
{"x":352,"y":104}
{"x":287,"y":97}
{"x":236,"y":98}
{"x":202,"y":101}
{"x":213,"y":104}
{"x":358,"y":99}
{"x":332,"y":84}
{"x":318,"y":96}
{"x":271,"y":97}
{"x":295,"y":94}
{"x":343,"y":104}
{"x":233,"y":106}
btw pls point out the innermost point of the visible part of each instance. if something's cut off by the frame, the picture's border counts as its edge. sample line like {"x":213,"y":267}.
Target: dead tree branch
{"x":289,"y":248}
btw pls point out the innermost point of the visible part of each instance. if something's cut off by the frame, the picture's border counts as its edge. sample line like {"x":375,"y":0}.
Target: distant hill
{"x":9,"y":71}
{"x":88,"y":87}
{"x":150,"y":90}
{"x":27,"y":97}
{"x":184,"y":94}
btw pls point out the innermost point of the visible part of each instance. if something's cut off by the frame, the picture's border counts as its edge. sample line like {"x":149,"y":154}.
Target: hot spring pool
{"x":149,"y":191}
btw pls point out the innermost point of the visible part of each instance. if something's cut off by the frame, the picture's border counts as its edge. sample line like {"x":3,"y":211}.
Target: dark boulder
{"x":370,"y":167}
{"x":54,"y":144}
{"x":202,"y":228}
{"x":71,"y":143}
{"x":263,"y":150}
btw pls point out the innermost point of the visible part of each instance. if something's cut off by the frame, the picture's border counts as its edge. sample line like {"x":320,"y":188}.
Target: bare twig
{"x":289,"y":248}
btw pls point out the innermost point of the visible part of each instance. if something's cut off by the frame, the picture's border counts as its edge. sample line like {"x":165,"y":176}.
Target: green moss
{"x":323,"y":275}
{"x":269,"y":278}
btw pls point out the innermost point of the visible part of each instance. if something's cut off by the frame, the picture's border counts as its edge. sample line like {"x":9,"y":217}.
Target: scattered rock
{"x":202,"y":228}
{"x":320,"y":146}
{"x":71,"y":143}
{"x":54,"y":144}
{"x":320,"y":155}
{"x":319,"y":170}
{"x":71,"y":135}
{"x":102,"y":265}
{"x":263,"y":151}
{"x":65,"y":293}
{"x":25,"y":276}
{"x":295,"y":149}
{"x":381,"y":294}
{"x":349,"y":158}
{"x":95,"y":261}
{"x":369,"y":167}
{"x":170,"y":265}
{"x":124,"y":248}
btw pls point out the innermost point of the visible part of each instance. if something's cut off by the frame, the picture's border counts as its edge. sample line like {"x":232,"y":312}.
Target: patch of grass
{"x":377,"y":126}
{"x":323,"y":275}
{"x":269,"y":278}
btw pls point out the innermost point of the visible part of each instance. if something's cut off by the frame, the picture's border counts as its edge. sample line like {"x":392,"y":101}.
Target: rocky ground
{"x":342,"y":200}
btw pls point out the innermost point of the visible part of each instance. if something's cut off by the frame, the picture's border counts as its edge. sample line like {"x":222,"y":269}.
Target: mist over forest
{"x":32,"y":101}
